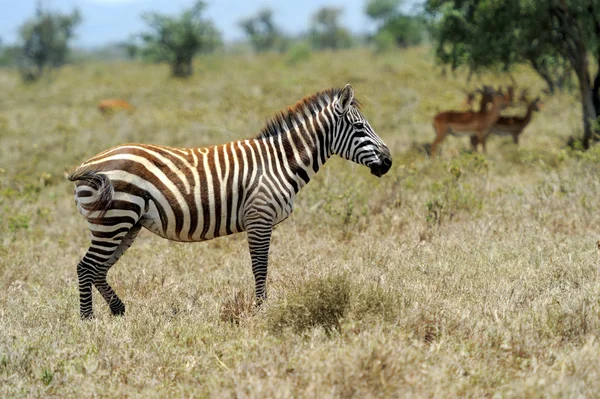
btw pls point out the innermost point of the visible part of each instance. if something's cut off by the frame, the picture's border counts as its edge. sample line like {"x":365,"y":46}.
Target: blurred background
{"x":558,"y":40}
{"x":112,"y":21}
{"x":122,"y":29}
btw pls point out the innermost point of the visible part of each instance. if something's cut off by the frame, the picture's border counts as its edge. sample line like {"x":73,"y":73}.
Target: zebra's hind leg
{"x":86,"y":272}
{"x":117,"y":307}
{"x":104,"y":252}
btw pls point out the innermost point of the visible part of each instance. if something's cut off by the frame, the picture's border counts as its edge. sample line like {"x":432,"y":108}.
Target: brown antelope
{"x":514,"y":125}
{"x":468,"y":123}
{"x":109,"y":106}
{"x":469,"y":99}
{"x":485,"y":96}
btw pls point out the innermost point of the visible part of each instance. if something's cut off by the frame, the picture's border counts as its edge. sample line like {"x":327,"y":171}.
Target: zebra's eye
{"x":358,"y":125}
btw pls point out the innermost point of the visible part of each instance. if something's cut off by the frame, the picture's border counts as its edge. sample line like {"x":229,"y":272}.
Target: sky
{"x":106,"y":21}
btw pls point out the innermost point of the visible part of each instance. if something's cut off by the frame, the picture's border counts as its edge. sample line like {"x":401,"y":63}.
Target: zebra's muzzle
{"x":382,"y":167}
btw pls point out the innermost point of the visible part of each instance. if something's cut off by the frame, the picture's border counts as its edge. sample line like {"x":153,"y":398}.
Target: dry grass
{"x":466,"y":276}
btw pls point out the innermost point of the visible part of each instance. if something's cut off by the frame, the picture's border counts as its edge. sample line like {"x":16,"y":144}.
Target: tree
{"x":10,"y":56}
{"x":44,"y":42}
{"x":326,"y":31}
{"x":553,"y":36}
{"x":405,"y":29}
{"x":177,"y":40}
{"x":262,"y":32}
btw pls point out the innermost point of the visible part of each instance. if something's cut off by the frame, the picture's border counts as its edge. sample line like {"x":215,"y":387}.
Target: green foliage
{"x":9,"y":56}
{"x":382,"y":9}
{"x":177,"y":40}
{"x":47,"y":376}
{"x":326,"y":31}
{"x":592,"y":156}
{"x":320,"y":302}
{"x":44,"y":42}
{"x":384,"y":41}
{"x":262,"y":32}
{"x":18,"y":221}
{"x":554,"y":37}
{"x":406,"y":30}
{"x":298,"y":52}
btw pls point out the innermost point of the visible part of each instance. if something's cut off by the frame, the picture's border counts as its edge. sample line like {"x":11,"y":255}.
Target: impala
{"x":514,"y":125}
{"x":111,"y":105}
{"x":470,"y":123}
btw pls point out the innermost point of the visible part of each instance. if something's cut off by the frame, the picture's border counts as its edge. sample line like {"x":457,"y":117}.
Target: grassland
{"x":467,"y":276}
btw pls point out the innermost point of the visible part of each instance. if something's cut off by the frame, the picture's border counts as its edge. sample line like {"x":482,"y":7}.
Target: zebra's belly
{"x":189,"y":229}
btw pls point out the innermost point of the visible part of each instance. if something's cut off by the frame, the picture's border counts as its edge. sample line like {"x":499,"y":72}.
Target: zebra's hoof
{"x":258,"y":302}
{"x":87,"y":316}
{"x":118,"y":312}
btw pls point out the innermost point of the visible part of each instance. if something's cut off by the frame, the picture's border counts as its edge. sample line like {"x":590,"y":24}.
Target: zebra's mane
{"x":285,"y":119}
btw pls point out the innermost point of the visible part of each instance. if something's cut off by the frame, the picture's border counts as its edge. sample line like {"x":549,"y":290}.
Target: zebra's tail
{"x":94,"y":191}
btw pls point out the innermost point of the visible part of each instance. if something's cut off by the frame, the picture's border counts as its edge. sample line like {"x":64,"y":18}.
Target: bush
{"x":177,"y":40}
{"x":376,"y":301}
{"x":299,"y":52}
{"x":322,"y":302}
{"x":384,"y":41}
{"x":45,"y":42}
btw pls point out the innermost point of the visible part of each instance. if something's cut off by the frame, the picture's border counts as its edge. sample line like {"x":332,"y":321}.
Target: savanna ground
{"x":469,"y":275}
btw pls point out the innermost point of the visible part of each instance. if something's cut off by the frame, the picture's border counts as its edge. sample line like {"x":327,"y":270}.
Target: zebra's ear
{"x":346,"y":98}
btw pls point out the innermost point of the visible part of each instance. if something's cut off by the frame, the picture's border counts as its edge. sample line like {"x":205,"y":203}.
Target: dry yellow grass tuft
{"x":238,"y":307}
{"x":471,"y":275}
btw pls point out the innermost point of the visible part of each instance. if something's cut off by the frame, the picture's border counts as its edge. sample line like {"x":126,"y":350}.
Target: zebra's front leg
{"x":259,"y":240}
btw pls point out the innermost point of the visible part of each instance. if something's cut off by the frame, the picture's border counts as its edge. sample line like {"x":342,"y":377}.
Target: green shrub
{"x":532,"y":156}
{"x":299,"y":52}
{"x":47,"y":376}
{"x":19,"y":221}
{"x":378,"y":302}
{"x":321,"y":302}
{"x":384,"y":42}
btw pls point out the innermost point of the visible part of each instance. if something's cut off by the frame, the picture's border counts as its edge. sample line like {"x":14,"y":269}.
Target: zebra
{"x":197,"y":194}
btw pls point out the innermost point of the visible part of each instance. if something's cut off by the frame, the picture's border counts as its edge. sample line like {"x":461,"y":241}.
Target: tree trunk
{"x":544,"y":74}
{"x":587,"y":104}
{"x":188,"y":66}
{"x":182,"y":67}
{"x":596,"y":92}
{"x":573,"y":48}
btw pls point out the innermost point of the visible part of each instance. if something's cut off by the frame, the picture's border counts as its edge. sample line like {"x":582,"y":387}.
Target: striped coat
{"x":196,"y":194}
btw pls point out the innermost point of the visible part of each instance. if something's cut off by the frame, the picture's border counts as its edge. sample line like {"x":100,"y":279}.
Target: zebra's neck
{"x":305,"y":146}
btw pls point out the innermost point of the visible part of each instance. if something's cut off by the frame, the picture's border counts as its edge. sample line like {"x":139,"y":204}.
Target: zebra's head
{"x":354,"y":139}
